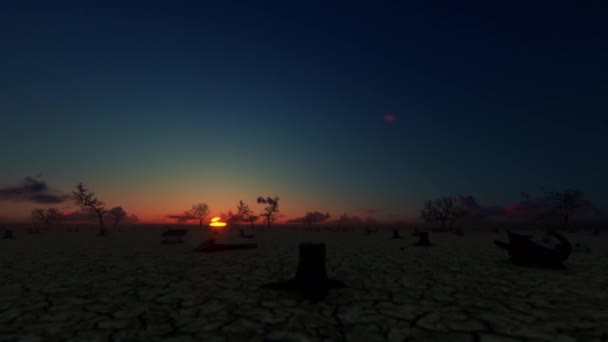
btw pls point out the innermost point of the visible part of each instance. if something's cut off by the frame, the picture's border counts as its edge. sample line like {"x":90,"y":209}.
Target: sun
{"x":215,"y":222}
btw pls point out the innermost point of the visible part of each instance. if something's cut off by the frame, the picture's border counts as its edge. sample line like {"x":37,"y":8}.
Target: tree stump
{"x":396,"y":234}
{"x":311,"y":281}
{"x":311,"y":264}
{"x":423,"y":239}
{"x":8,"y":235}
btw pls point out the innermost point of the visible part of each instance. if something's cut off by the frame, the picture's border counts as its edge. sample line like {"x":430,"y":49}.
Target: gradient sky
{"x":157,"y":105}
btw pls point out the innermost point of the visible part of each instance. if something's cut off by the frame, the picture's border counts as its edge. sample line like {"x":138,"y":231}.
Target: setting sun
{"x":215,"y":222}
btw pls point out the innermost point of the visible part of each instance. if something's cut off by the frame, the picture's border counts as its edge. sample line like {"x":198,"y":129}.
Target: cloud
{"x":474,"y":210}
{"x":530,"y":208}
{"x":130,"y":219}
{"x":33,"y":190}
{"x":268,"y":200}
{"x":183,"y":218}
{"x":526,"y":208}
{"x":353,"y":220}
{"x":80,"y":216}
{"x":311,"y":217}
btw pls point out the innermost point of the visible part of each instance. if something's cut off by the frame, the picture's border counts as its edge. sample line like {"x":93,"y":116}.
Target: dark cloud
{"x":311,"y":217}
{"x":33,"y":190}
{"x":268,"y":200}
{"x":530,"y":208}
{"x":80,"y":216}
{"x":353,"y":220}
{"x":183,"y":218}
{"x":526,"y":208}
{"x":474,"y":210}
{"x":131,"y":219}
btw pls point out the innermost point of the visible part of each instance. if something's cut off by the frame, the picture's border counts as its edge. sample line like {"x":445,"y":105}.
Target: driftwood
{"x":311,"y":281}
{"x":524,"y":251}
{"x":211,"y":246}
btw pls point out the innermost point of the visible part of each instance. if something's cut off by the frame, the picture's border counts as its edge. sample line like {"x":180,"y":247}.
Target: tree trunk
{"x":251,"y":222}
{"x":567,"y":223}
{"x":443,"y":222}
{"x":311,"y":264}
{"x":200,"y":222}
{"x":102,"y":227}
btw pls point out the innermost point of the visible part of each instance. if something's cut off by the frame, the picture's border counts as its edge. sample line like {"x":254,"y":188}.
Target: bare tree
{"x":247,"y":213}
{"x":271,"y":211}
{"x":232,"y":218}
{"x":566,"y":202}
{"x":342,"y":220}
{"x":88,"y":201}
{"x":38,"y":217}
{"x":444,"y":209}
{"x":118,"y":214}
{"x":49,"y":217}
{"x":200,"y":210}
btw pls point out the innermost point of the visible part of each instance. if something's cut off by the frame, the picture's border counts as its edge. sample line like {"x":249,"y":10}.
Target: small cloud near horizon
{"x":315,"y":216}
{"x":181,"y":218}
{"x":33,"y":190}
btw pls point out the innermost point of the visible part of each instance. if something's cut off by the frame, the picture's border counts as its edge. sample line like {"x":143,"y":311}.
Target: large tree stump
{"x":8,"y":235}
{"x":311,"y":264}
{"x":396,"y":234}
{"x":311,"y":281}
{"x":423,"y":239}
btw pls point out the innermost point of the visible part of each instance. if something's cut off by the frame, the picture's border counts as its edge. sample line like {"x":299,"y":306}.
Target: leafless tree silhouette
{"x":200,"y":210}
{"x":566,"y":202}
{"x":118,"y":214}
{"x":271,"y":211}
{"x":232,"y":218}
{"x":444,"y":210}
{"x":88,"y":201}
{"x":342,"y":221}
{"x":47,"y":217}
{"x":247,"y":213}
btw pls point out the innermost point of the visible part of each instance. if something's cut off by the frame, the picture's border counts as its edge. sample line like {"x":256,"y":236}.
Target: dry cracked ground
{"x":75,"y":286}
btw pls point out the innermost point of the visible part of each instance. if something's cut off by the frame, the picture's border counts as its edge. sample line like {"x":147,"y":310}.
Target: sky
{"x":369,"y":108}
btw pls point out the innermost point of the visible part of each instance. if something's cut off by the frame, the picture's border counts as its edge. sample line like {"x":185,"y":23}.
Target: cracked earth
{"x":75,"y":286}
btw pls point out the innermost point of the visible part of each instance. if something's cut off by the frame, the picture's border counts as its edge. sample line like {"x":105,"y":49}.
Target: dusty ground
{"x":75,"y":286}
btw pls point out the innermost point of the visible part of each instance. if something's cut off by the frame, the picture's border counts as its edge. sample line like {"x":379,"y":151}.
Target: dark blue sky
{"x":150,"y":101}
